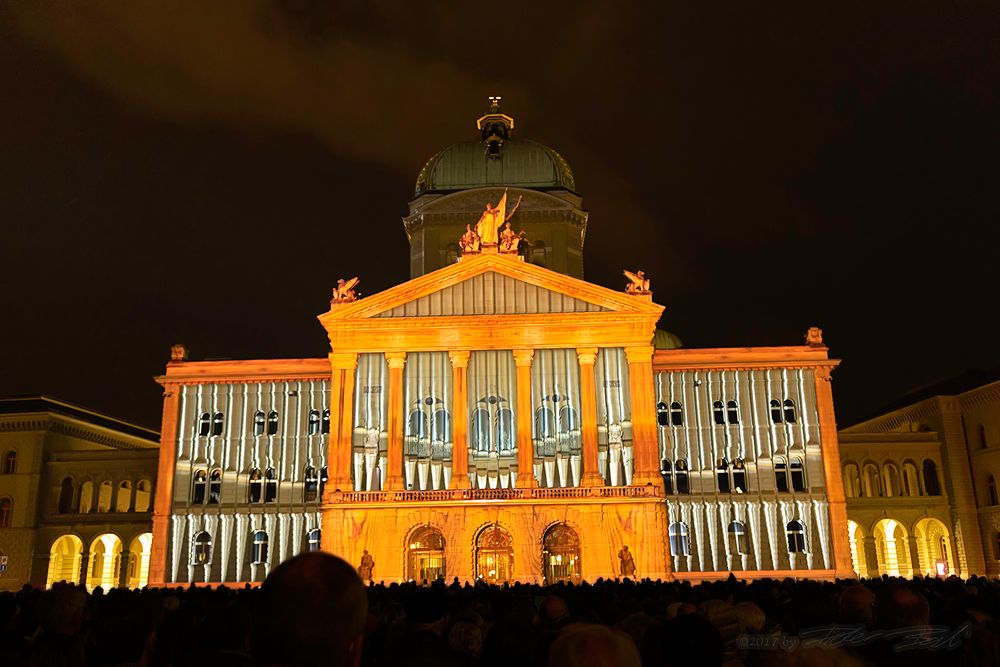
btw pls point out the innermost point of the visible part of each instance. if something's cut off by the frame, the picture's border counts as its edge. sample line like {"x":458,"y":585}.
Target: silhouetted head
{"x":856,"y":605}
{"x":586,"y":645}
{"x":898,"y":606}
{"x":311,"y":612}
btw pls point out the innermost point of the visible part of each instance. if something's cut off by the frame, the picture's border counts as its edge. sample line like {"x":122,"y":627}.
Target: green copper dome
{"x":519,"y":163}
{"x":664,"y":340}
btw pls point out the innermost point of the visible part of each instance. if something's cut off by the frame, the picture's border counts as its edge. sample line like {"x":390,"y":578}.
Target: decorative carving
{"x":561,"y":537}
{"x":510,"y":240}
{"x":367,"y":566}
{"x":638,"y":283}
{"x":178,"y":352}
{"x":470,"y":241}
{"x":627,"y":562}
{"x":814,"y":337}
{"x":494,"y":537}
{"x":344,"y":291}
{"x":489,"y":222}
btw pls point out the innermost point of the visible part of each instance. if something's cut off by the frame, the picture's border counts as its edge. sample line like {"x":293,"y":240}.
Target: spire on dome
{"x":495,"y":127}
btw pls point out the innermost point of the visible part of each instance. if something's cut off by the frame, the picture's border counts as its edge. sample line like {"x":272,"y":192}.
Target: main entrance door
{"x":494,"y":555}
{"x":561,"y":554}
{"x":425,"y":560}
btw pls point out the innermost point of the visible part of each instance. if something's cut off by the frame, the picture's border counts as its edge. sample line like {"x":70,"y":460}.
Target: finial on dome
{"x":495,"y":127}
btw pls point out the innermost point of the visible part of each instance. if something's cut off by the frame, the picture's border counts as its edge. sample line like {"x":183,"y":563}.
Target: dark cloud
{"x":205,"y":171}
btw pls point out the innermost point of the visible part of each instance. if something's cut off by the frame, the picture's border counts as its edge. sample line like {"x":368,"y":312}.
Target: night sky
{"x":204,"y":172}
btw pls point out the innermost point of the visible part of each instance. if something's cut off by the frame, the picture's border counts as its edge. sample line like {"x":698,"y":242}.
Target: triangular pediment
{"x":491,"y":284}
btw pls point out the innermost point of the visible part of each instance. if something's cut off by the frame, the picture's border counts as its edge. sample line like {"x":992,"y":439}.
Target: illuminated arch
{"x":105,"y":562}
{"x":65,"y":558}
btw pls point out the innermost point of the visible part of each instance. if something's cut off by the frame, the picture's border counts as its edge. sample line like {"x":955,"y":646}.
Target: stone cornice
{"x":63,"y":426}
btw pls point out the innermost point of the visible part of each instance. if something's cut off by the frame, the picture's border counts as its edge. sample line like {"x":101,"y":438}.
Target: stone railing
{"x":567,"y":493}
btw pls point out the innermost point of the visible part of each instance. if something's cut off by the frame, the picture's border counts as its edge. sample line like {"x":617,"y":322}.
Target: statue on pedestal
{"x":491,"y":219}
{"x":367,"y":566}
{"x":627,"y":562}
{"x":470,"y":241}
{"x":344,"y":291}
{"x":510,"y":240}
{"x":638,"y":283}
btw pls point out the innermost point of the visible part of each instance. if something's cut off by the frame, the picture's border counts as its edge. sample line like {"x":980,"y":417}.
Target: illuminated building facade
{"x":920,"y":482}
{"x":76,"y":490}
{"x":498,"y":417}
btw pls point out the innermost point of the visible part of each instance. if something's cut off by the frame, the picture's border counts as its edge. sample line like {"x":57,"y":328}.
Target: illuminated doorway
{"x":64,"y":560}
{"x":561,"y":554}
{"x":425,"y":561}
{"x":138,"y":560}
{"x":105,"y":560}
{"x":494,"y":555}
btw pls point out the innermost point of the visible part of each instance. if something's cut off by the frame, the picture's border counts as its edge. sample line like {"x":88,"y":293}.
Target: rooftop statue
{"x":491,"y":219}
{"x":511,"y":240}
{"x":470,"y":241}
{"x":639,"y":283}
{"x":344,"y":291}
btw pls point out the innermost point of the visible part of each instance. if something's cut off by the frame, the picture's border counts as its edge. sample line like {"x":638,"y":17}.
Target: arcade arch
{"x":64,"y":560}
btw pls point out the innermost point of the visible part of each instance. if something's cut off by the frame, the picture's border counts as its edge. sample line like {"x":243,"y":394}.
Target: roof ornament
{"x":178,"y":352}
{"x":638,"y":283}
{"x":814,"y":337}
{"x":486,"y":236}
{"x":494,"y":128}
{"x":344,"y":291}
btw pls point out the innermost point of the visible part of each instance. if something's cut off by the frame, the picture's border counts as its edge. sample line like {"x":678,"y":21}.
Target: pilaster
{"x":460,"y":421}
{"x":341,"y":438}
{"x":587,"y":357}
{"x":830,"y":449}
{"x":164,"y":492}
{"x":396,"y":362}
{"x":525,"y":453}
{"x":644,"y":438}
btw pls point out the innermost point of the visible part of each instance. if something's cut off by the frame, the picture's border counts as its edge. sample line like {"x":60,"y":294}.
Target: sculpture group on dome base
{"x":487,"y":237}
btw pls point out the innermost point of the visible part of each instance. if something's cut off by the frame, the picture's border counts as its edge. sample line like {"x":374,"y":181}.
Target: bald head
{"x":311,"y":611}
{"x":856,"y":605}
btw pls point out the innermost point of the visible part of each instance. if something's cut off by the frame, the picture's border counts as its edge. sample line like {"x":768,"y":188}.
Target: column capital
{"x":343,"y":360}
{"x":586,"y":355}
{"x":459,"y":358}
{"x":642,"y":354}
{"x":523,"y":357}
{"x":396,"y":360}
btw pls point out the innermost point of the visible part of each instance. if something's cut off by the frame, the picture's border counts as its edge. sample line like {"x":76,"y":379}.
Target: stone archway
{"x":64,"y":560}
{"x":561,"y":554}
{"x":105,"y":561}
{"x":892,"y":548}
{"x":856,"y":539}
{"x":425,"y":559}
{"x":494,"y":555}
{"x":138,"y":560}
{"x":933,"y":546}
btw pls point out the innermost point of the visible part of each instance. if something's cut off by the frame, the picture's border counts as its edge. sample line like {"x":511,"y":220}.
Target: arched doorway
{"x":425,"y":555}
{"x":560,"y":554}
{"x":892,"y":548}
{"x":138,"y":560}
{"x":933,"y":546}
{"x":494,"y":555}
{"x":105,"y":561}
{"x":857,"y":541}
{"x":64,"y":560}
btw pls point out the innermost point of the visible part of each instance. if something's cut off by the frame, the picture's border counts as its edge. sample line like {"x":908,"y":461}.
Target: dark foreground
{"x":313,"y":613}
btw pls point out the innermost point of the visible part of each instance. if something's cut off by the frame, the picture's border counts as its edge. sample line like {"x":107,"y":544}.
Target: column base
{"x":592,"y":479}
{"x":529,"y":483}
{"x":642,"y":479}
{"x":460,"y":481}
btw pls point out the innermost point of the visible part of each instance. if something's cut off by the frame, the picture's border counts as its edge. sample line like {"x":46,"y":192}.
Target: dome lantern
{"x":495,"y":127}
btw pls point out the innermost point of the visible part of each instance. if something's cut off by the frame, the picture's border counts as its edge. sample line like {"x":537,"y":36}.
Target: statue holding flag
{"x":492,"y":218}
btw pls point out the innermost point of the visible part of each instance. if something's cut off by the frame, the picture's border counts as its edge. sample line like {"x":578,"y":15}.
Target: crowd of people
{"x":314,"y":611}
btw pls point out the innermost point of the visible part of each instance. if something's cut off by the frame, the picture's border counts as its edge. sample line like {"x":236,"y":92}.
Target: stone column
{"x":460,"y":419}
{"x":85,"y":563}
{"x":164,"y":490}
{"x":394,"y":477}
{"x":646,"y":448}
{"x":341,"y":439}
{"x":832,"y":473}
{"x":525,"y":453}
{"x":871,"y":558}
{"x":588,"y":406}
{"x":914,"y":555}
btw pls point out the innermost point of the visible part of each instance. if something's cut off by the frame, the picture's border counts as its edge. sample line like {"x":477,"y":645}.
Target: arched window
{"x":416,"y":424}
{"x":86,"y":497}
{"x":10,"y":463}
{"x":852,"y":480}
{"x":796,"y":534}
{"x":982,"y":437}
{"x":931,"y":484}
{"x":66,"y":491}
{"x":270,"y":486}
{"x":679,"y":543}
{"x":143,"y":493}
{"x":311,"y":485}
{"x":719,"y":413}
{"x":738,"y":542}
{"x":545,"y":423}
{"x":313,"y":422}
{"x":204,"y":424}
{"x":256,"y":486}
{"x":258,"y":423}
{"x":739,"y":476}
{"x":124,"y":499}
{"x":198,"y":487}
{"x":668,"y":478}
{"x":891,"y":477}
{"x":568,"y":420}
{"x":911,"y":480}
{"x":258,"y":548}
{"x":322,"y":480}
{"x":873,"y":481}
{"x":775,"y":411}
{"x":104,"y":493}
{"x":991,"y":491}
{"x":789,"y":406}
{"x":722,"y":472}
{"x":662,"y":414}
{"x":732,"y":410}
{"x":780,"y":475}
{"x":272,"y":423}
{"x":215,"y":487}
{"x":313,"y":538}
{"x":798,"y":475}
{"x":325,"y":425}
{"x":218,"y":422}
{"x":676,"y":414}
{"x":505,"y":429}
{"x":481,"y":429}
{"x":441,"y":426}
{"x":6,"y":512}
{"x":201,"y":554}
{"x":681,"y":472}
